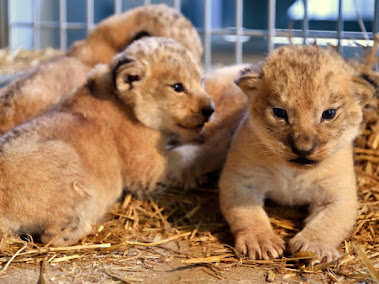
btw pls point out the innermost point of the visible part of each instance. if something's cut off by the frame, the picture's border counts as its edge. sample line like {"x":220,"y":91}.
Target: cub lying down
{"x":53,"y":81}
{"x":295,"y":147}
{"x":60,"y":172}
{"x":116,"y":32}
{"x":40,"y":90}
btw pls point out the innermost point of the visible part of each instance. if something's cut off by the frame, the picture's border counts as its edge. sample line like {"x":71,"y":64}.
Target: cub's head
{"x":161,"y":81}
{"x":305,"y":103}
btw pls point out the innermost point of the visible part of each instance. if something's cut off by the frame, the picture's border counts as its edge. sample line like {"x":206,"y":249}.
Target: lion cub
{"x":295,"y":147}
{"x":54,"y":81}
{"x":60,"y":172}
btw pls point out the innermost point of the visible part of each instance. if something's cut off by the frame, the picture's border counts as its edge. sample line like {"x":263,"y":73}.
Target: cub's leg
{"x":328,"y":224}
{"x":4,"y":228}
{"x":38,"y":188}
{"x":242,"y":205}
{"x":189,"y":163}
{"x":47,"y":190}
{"x":325,"y":228}
{"x":66,"y":233}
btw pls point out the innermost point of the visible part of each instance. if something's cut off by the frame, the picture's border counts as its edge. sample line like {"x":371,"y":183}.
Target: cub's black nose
{"x":302,"y":152}
{"x":207,"y":111}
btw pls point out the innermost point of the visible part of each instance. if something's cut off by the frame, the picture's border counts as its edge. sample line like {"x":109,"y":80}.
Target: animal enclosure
{"x":181,"y":235}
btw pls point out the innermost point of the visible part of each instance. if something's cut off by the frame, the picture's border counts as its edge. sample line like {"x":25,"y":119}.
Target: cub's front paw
{"x":258,"y":245}
{"x":326,"y":251}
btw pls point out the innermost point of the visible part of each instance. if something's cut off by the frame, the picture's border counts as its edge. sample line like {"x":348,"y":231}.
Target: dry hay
{"x":188,"y":227}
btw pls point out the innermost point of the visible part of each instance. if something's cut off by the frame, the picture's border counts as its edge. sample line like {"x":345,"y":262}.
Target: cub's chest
{"x":288,"y":186}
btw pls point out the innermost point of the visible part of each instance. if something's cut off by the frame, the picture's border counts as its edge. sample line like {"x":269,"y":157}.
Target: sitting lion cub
{"x":60,"y":172}
{"x":295,"y":147}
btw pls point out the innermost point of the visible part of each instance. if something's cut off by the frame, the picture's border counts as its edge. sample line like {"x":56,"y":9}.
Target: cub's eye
{"x":329,"y":114}
{"x":280,"y":112}
{"x":178,"y":87}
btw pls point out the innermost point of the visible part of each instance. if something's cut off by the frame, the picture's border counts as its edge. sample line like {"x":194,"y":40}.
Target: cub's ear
{"x":249,"y":79}
{"x":127,"y":72}
{"x":364,"y":89}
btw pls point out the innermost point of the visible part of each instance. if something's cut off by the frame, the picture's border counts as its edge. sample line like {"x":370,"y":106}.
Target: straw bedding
{"x":186,"y":227}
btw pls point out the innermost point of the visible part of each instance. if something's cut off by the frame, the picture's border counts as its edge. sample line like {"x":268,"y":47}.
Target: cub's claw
{"x":325,"y":251}
{"x":259,"y":245}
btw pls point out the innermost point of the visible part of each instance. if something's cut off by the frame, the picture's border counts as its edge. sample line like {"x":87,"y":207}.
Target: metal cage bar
{"x":339,"y":25}
{"x":62,"y":25}
{"x":271,"y":25}
{"x":49,"y":25}
{"x":305,"y":21}
{"x":207,"y":34}
{"x":239,"y":26}
{"x":4,"y":24}
{"x":117,"y":7}
{"x":178,"y":4}
{"x":375,"y":27}
{"x":90,"y":15}
{"x":36,"y":26}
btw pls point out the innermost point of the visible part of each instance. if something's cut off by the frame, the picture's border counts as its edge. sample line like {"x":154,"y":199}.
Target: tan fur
{"x":230,"y":106}
{"x":52,"y":82}
{"x":305,"y":81}
{"x":116,"y":32}
{"x":43,"y":88}
{"x":230,"y":102}
{"x":61,"y":171}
